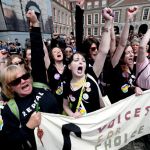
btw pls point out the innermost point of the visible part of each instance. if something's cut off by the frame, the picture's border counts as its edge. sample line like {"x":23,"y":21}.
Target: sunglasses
{"x":93,"y":48}
{"x":19,"y":63}
{"x":18,"y":80}
{"x":68,"y":51}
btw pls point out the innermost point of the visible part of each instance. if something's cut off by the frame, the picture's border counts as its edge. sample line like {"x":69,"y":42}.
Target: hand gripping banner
{"x":109,"y":128}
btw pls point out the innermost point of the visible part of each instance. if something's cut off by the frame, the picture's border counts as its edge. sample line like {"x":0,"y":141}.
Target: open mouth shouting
{"x":25,"y":87}
{"x":79,"y":70}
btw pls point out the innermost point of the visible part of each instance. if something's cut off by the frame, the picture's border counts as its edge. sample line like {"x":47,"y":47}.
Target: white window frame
{"x":83,"y":19}
{"x":102,"y":20}
{"x":89,"y":6}
{"x":118,"y":19}
{"x":104,"y":3}
{"x":66,"y":20}
{"x":96,"y":6}
{"x":55,"y":14}
{"x":94,"y":18}
{"x":62,"y":18}
{"x":88,"y":31}
{"x":87,"y":19}
{"x":65,"y":3}
{"x":59,"y":17}
{"x":94,"y":31}
{"x":147,"y":14}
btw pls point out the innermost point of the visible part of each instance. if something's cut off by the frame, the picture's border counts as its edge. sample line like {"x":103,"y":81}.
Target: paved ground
{"x":142,"y":143}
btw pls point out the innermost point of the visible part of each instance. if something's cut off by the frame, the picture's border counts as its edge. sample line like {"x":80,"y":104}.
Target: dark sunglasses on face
{"x":68,"y":51}
{"x":18,"y":80}
{"x":19,"y":63}
{"x":93,"y":48}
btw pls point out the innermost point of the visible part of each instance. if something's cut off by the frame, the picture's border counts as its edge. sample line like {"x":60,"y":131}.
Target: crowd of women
{"x":71,"y":76}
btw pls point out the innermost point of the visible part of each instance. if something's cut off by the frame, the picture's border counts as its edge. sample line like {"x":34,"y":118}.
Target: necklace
{"x":60,"y":68}
{"x":79,"y":83}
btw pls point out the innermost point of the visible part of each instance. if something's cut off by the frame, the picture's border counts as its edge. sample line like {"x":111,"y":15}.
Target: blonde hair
{"x":9,"y":74}
{"x":135,"y":40}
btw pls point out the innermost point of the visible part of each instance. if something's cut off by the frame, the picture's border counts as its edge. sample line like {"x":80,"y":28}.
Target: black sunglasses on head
{"x":18,"y":80}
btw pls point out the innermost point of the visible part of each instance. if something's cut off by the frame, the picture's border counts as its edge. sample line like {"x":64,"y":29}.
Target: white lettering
{"x":24,"y":113}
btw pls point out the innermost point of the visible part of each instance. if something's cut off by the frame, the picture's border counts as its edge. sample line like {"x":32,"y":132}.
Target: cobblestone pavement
{"x":134,"y":146}
{"x":142,"y":143}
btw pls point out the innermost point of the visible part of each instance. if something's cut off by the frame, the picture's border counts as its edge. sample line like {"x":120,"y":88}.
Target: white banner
{"x":107,"y":129}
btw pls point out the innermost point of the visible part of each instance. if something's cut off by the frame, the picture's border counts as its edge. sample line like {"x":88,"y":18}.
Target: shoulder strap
{"x":104,"y":101}
{"x":40,"y":85}
{"x":12,"y":103}
{"x":141,"y":72}
{"x":80,"y":97}
{"x":13,"y":107}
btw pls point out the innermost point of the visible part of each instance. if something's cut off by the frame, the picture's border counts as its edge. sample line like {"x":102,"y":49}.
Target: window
{"x":63,"y":18}
{"x":96,"y":4}
{"x":65,"y":4}
{"x":89,"y":31}
{"x":69,"y":23}
{"x":102,"y":19}
{"x":95,"y":32}
{"x":104,"y":3}
{"x":117,"y":15}
{"x":89,"y":5}
{"x":55,"y":29}
{"x":54,"y":14}
{"x":96,"y":18}
{"x":68,"y":6}
{"x":145,"y":15}
{"x":58,"y":20}
{"x":66,"y":20}
{"x":89,"y":19}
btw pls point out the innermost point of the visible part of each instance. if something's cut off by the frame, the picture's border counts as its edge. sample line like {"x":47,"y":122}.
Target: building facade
{"x":62,"y":21}
{"x":93,"y":21}
{"x":140,"y":23}
{"x":58,"y":16}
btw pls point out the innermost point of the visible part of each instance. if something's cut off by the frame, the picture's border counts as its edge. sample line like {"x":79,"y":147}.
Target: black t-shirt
{"x":90,"y":96}
{"x":121,"y":84}
{"x":56,"y":82}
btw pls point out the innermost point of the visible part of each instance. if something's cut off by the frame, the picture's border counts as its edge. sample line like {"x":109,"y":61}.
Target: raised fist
{"x":107,"y":14}
{"x":131,"y":10}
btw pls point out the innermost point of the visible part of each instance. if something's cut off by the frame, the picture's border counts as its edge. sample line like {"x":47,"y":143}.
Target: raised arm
{"x":142,"y":49}
{"x":105,"y":42}
{"x":37,"y":54}
{"x":124,"y":35}
{"x":46,"y":57}
{"x":112,"y":41}
{"x":79,"y":23}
